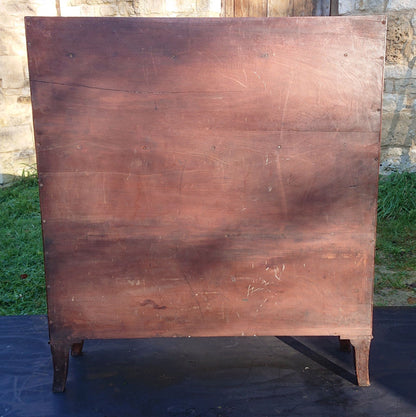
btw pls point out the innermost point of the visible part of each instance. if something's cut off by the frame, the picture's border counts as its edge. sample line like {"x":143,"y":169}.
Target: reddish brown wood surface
{"x":207,"y":176}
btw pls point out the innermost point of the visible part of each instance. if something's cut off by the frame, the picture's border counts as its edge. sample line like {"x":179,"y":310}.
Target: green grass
{"x":22,"y":286}
{"x":22,"y":282}
{"x":397,"y":197}
{"x":396,"y":230}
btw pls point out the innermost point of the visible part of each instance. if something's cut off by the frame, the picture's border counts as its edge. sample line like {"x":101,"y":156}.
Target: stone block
{"x":13,"y":163}
{"x":400,"y":5}
{"x":406,"y":86}
{"x":398,"y":159}
{"x":399,"y":38}
{"x":392,"y":103}
{"x":393,"y":153}
{"x":12,"y":92}
{"x":108,"y":10}
{"x":22,"y":8}
{"x":125,"y":9}
{"x":346,"y":7}
{"x":186,"y":6}
{"x":391,"y":159}
{"x":24,"y":99}
{"x":389,"y":86}
{"x":398,"y":102}
{"x":11,"y":72}
{"x":89,"y":11}
{"x":24,"y":154}
{"x":398,"y":129}
{"x":150,"y":7}
{"x":399,"y":71}
{"x":202,"y":6}
{"x":16,"y":138}
{"x":101,"y":2}
{"x":8,"y":40}
{"x":71,"y":3}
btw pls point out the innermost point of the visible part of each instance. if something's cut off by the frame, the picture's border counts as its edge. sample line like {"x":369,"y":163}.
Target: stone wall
{"x":398,"y":150}
{"x":16,"y":135}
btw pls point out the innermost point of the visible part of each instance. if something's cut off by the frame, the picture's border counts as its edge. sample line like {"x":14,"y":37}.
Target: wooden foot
{"x":76,"y":349}
{"x":362,"y":353}
{"x":60,"y":359}
{"x":344,"y":345}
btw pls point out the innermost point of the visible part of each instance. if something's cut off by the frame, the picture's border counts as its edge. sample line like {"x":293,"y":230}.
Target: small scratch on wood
{"x":153,"y":61}
{"x":251,"y":290}
{"x":261,"y":79}
{"x":104,"y":190}
{"x":181,"y":178}
{"x":276,"y":273}
{"x":262,"y":304}
{"x":281,"y":184}
{"x":235,"y":80}
{"x":194,"y":295}
{"x":153,"y":304}
{"x":204,"y":155}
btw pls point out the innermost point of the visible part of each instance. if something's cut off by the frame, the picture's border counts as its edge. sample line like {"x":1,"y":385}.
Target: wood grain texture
{"x":207,"y":177}
{"x":275,"y":8}
{"x":247,"y":8}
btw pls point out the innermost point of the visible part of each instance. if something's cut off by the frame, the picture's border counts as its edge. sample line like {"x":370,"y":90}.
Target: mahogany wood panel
{"x":207,"y":177}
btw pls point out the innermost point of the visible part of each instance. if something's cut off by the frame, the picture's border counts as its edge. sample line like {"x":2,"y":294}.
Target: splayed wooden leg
{"x":76,"y":348}
{"x":60,"y":359}
{"x":362,"y":353}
